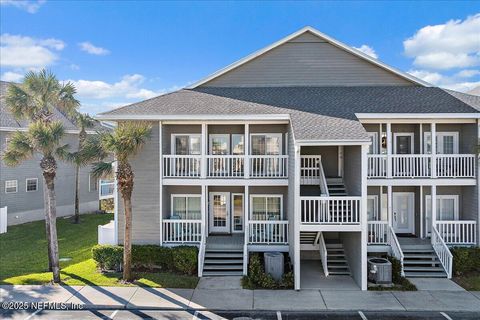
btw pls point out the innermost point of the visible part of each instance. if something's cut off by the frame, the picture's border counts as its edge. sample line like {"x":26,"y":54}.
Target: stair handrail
{"x":323,"y":179}
{"x":323,"y":253}
{"x":201,"y":254}
{"x":396,"y":249}
{"x":442,"y":251}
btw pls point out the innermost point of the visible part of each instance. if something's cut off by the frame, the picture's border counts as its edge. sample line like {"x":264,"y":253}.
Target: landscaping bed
{"x":257,"y":278}
{"x":466,"y":267}
{"x":399,"y":283}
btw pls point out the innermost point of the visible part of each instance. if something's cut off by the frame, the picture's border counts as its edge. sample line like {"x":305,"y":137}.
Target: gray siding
{"x":307,"y":61}
{"x":146,"y":195}
{"x":352,"y":170}
{"x":329,"y":158}
{"x":352,"y":242}
{"x":29,"y":206}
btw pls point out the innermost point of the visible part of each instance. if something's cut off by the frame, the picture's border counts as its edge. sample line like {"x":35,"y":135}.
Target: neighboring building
{"x":313,"y":148}
{"x":21,"y":187}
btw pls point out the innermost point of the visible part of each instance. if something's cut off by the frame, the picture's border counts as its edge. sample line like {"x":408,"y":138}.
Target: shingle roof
{"x":470,"y":99}
{"x":9,"y":121}
{"x":317,"y":113}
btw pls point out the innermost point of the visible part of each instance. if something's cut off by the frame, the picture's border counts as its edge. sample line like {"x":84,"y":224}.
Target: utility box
{"x":274,"y":264}
{"x":379,"y":270}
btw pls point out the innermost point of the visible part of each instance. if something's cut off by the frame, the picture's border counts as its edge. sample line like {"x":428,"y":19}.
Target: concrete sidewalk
{"x":239,"y":299}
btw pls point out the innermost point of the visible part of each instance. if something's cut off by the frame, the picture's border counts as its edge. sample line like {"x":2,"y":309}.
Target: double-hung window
{"x":266,"y":207}
{"x":11,"y":186}
{"x":31,"y":184}
{"x":186,"y":207}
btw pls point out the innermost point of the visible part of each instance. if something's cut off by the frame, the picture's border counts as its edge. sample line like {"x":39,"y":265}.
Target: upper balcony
{"x":222,"y":152}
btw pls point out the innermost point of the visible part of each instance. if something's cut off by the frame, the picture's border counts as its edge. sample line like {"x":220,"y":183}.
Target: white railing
{"x":330,"y":210}
{"x":442,"y":251}
{"x":268,"y":166}
{"x":456,"y":165}
{"x":106,"y":233}
{"x":377,"y":232}
{"x":182,"y":231}
{"x":411,"y":165}
{"x":377,"y":165}
{"x":310,"y":169}
{"x":3,"y":219}
{"x":395,"y":246}
{"x":106,"y":189}
{"x":458,"y":232}
{"x":201,"y":254}
{"x":323,"y":254}
{"x":225,"y":166}
{"x":181,"y":166}
{"x":323,"y":181}
{"x":268,"y":232}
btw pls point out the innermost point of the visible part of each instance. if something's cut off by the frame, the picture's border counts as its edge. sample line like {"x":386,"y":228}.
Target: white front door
{"x":219,"y":212}
{"x":403,"y":219}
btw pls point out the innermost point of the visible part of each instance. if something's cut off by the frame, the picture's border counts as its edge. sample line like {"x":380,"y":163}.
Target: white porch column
{"x":422,"y":233}
{"x":390,"y":205}
{"x":363,"y":216}
{"x":389,"y":150}
{"x":297,"y":219}
{"x":204,"y":211}
{"x":203,"y":161}
{"x":246,"y":151}
{"x":246,"y":228}
{"x":434,"y":206}
{"x":433,"y":129}
{"x":340,"y":161}
{"x":380,"y":130}
{"x":160,"y":178}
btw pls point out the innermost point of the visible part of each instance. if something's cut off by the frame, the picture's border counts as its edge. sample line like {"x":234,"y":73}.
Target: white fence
{"x":442,"y":251}
{"x":3,"y":220}
{"x":269,"y":166}
{"x":377,"y":166}
{"x":411,"y":165}
{"x":268,"y":232}
{"x":377,"y":232}
{"x":458,"y":232}
{"x":456,"y":165}
{"x":182,"y":231}
{"x":226,"y":166}
{"x":106,"y":233}
{"x":330,"y":210}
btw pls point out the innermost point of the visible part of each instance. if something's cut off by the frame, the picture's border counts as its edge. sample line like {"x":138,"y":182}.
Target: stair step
{"x":425,"y":274}
{"x":223,"y":255}
{"x":223,"y":267}
{"x":207,"y":249}
{"x":222,"y":273}
{"x":419,"y":256}
{"x":423,"y":269}
{"x":334,"y":266}
{"x":339,"y":273}
{"x":223,"y":261}
{"x":336,"y":260}
{"x":335,"y":255}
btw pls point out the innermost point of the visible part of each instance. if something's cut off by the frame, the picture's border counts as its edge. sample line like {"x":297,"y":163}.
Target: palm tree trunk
{"x":47,"y":224}
{"x":127,"y":241}
{"x":77,"y":211}
{"x":52,"y":223}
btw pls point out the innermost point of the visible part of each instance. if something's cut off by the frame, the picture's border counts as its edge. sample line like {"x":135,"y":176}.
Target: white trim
{"x":186,"y":196}
{"x":70,"y":131}
{"x":275,"y":135}
{"x":397,"y":116}
{"x":173,"y":136}
{"x":219,"y":135}
{"x":423,"y":182}
{"x":13,"y":185}
{"x":404,"y":134}
{"x":90,"y":183}
{"x":440,"y":135}
{"x":26,"y":184}
{"x":320,"y":35}
{"x":232,"y":212}
{"x":193,"y":117}
{"x":227,"y":227}
{"x":226,"y":182}
{"x":333,"y":142}
{"x":160,"y":176}
{"x":374,"y":137}
{"x":257,"y":195}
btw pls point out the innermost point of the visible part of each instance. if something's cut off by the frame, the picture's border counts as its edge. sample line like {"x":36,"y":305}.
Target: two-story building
{"x":311,"y":148}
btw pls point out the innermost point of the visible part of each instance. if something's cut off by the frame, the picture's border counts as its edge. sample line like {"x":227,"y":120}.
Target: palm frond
{"x":62,"y":153}
{"x":102,"y":169}
{"x":66,"y":100}
{"x":127,"y":139}
{"x":20,"y":103}
{"x":46,"y":136}
{"x":19,"y":148}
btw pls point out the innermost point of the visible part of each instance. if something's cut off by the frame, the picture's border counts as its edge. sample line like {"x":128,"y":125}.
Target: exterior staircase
{"x":308,"y":237}
{"x":421,"y":261}
{"x":336,"y":260}
{"x":336,"y":187}
{"x":223,"y":257}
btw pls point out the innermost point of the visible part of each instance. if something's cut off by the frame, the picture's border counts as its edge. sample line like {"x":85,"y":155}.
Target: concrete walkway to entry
{"x":211,"y":298}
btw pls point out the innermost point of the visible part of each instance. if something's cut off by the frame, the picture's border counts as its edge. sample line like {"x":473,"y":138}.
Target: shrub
{"x":185,"y":259}
{"x":108,"y":257}
{"x":396,"y":269}
{"x":466,"y":260}
{"x":257,"y":278}
{"x":150,"y":257}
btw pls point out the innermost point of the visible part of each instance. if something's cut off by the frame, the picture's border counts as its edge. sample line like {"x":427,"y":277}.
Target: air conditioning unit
{"x":379,"y":270}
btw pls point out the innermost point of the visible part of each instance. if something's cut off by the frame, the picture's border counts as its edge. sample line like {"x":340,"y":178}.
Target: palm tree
{"x":79,"y":158}
{"x":123,"y":143}
{"x":42,"y":138}
{"x":35,"y":100}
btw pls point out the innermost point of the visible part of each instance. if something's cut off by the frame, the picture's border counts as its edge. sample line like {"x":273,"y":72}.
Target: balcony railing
{"x":420,"y":166}
{"x":267,"y":232}
{"x":225,"y":166}
{"x":182,"y":231}
{"x":377,"y":232}
{"x":330,"y":210}
{"x":458,"y":232}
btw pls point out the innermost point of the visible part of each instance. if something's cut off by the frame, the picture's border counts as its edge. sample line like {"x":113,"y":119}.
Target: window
{"x":11,"y":186}
{"x":187,"y":144}
{"x":186,"y":207}
{"x":403,"y":142}
{"x":31,"y":184}
{"x":266,"y":144}
{"x":92,"y":183}
{"x":7,"y":140}
{"x":447,"y":142}
{"x":238,"y":145}
{"x":372,"y":208}
{"x":373,"y":148}
{"x":447,"y":208}
{"x":219,"y":144}
{"x":266,"y":207}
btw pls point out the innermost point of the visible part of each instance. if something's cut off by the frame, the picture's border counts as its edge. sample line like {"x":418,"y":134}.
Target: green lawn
{"x":470,"y":282}
{"x":24,"y":256}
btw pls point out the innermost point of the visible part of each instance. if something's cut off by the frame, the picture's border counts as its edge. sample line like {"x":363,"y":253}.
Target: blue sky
{"x":121,"y":52}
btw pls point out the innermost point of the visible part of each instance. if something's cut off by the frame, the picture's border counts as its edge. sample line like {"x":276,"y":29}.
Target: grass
{"x":469,"y":282}
{"x":24,"y":257}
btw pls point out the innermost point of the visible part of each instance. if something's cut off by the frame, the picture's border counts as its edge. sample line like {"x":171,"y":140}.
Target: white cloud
{"x":11,"y":76}
{"x":29,"y":6}
{"x":74,"y":66}
{"x":467,"y":73}
{"x":92,"y":49}
{"x":430,"y":77}
{"x":367,"y":50}
{"x":455,"y":44}
{"x":454,"y":82}
{"x":27,"y":52}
